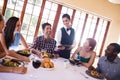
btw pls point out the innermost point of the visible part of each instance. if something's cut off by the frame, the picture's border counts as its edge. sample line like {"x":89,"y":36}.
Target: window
{"x":90,"y":28}
{"x":1,"y":4}
{"x":64,"y":11}
{"x":30,"y":19}
{"x":14,"y":8}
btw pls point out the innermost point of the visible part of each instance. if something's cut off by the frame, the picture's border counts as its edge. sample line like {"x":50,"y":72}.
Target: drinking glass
{"x":36,"y":63}
{"x":42,"y":52}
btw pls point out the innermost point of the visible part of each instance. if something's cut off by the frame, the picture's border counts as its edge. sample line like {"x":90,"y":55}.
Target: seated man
{"x":44,"y":42}
{"x":109,"y":65}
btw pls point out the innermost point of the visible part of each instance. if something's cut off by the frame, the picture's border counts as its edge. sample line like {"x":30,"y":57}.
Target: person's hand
{"x":71,"y":47}
{"x":2,"y":55}
{"x":21,"y":70}
{"x":37,"y":52}
{"x":92,"y":68}
{"x":61,"y":47}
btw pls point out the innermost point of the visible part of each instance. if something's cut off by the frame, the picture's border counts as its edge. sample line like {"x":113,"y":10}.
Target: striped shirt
{"x":109,"y":69}
{"x":41,"y":43}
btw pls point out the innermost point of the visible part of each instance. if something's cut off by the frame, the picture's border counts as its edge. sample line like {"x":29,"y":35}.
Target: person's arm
{"x":91,"y":61}
{"x":2,"y":40}
{"x":21,"y":70}
{"x":34,"y":46}
{"x":35,"y":43}
{"x":23,"y":41}
{"x":12,"y":53}
{"x":76,"y":51}
{"x":35,"y":52}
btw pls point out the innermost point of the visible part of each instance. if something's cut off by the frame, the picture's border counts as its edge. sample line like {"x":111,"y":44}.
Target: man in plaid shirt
{"x":45,"y":41}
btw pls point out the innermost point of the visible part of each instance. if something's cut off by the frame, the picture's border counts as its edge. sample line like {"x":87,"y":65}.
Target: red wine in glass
{"x":36,"y":63}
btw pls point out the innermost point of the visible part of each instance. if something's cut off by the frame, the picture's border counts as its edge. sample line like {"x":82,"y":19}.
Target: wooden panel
{"x":73,"y":15}
{"x":85,"y":21}
{"x":4,"y":7}
{"x":96,"y":27}
{"x":39,"y":19}
{"x":23,"y":10}
{"x":56,"y":20}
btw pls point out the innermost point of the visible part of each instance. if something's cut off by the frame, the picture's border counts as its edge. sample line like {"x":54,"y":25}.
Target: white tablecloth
{"x":63,"y":71}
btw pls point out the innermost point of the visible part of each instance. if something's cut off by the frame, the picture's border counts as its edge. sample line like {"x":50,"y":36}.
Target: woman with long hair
{"x":13,"y":35}
{"x":3,"y":48}
{"x":4,"y":51}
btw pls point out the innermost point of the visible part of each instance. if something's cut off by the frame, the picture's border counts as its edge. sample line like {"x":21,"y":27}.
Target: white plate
{"x":47,"y":69}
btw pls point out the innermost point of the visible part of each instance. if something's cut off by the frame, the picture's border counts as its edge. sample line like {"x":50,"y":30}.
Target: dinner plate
{"x":47,"y":69}
{"x":24,"y":53}
{"x":11,"y":62}
{"x":89,"y":73}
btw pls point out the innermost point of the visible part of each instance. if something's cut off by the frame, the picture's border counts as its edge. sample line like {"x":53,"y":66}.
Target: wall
{"x":103,"y":8}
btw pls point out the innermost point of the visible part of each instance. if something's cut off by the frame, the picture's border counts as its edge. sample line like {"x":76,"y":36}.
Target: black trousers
{"x":64,"y":53}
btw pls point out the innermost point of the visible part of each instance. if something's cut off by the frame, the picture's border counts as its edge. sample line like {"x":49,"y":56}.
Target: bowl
{"x":12,"y":62}
{"x":24,"y":53}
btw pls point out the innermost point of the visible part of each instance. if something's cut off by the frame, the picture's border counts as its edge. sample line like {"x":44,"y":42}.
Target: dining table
{"x":63,"y":70}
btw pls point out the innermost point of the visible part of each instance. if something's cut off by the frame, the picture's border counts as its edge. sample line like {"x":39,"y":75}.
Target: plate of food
{"x":11,"y":62}
{"x":47,"y":64}
{"x":24,"y":52}
{"x":47,"y":69}
{"x":45,"y":54}
{"x":74,"y":61}
{"x":95,"y":74}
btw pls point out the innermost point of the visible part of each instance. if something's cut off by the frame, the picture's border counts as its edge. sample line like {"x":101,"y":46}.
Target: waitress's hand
{"x":70,"y":48}
{"x":61,"y":47}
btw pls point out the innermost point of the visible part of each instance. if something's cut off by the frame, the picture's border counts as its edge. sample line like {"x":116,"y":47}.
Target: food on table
{"x":95,"y":74}
{"x":11,"y":62}
{"x":46,"y":63}
{"x":45,"y":54}
{"x":24,"y":52}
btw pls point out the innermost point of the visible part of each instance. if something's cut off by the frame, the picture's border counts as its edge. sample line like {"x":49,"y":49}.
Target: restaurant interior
{"x":98,"y":19}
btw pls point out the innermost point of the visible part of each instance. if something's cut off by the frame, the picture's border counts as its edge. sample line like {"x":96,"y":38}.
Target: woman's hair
{"x":1,"y":17}
{"x":92,"y":43}
{"x":9,"y":30}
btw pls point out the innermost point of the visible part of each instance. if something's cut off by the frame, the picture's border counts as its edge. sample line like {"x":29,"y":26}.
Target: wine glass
{"x":42,"y":52}
{"x":36,"y":63}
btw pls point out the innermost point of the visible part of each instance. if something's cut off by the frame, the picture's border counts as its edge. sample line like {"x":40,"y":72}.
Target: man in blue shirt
{"x":109,"y":65}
